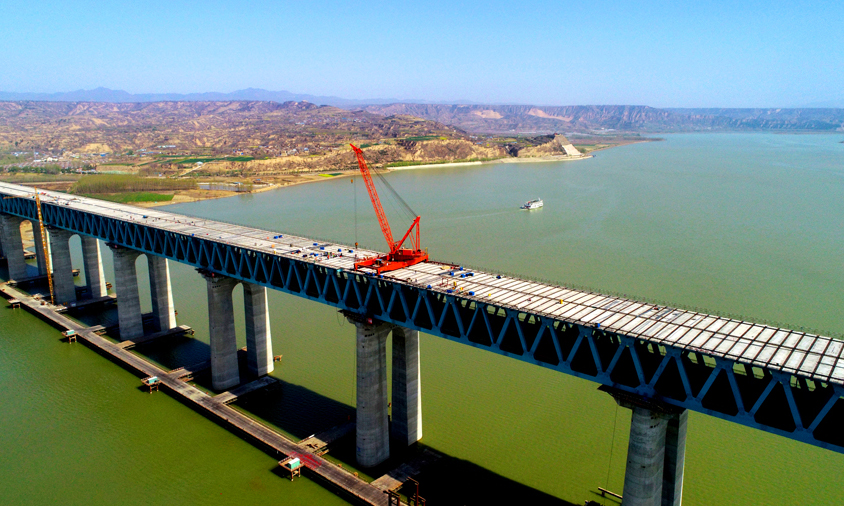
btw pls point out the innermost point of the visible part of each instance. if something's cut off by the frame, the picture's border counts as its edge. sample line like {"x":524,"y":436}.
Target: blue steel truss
{"x":765,"y":399}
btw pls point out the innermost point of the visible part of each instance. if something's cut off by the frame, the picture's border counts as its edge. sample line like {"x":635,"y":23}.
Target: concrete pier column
{"x":38,"y":246}
{"x":126,"y":287}
{"x":259,"y":345}
{"x":373,"y":435}
{"x":13,"y":246}
{"x":63,"y":285}
{"x":645,"y":459}
{"x":1,"y":241}
{"x":675,"y":459}
{"x":406,"y":428}
{"x":93,"y":259}
{"x":224,"y":369}
{"x":161,"y":293}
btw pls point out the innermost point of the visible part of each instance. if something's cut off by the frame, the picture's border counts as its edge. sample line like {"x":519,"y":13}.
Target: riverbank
{"x":285,"y":180}
{"x":298,"y":179}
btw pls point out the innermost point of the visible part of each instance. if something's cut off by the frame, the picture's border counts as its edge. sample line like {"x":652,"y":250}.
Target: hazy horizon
{"x":67,"y":96}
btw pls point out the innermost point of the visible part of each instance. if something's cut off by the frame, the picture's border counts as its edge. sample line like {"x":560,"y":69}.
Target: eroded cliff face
{"x":527,"y":118}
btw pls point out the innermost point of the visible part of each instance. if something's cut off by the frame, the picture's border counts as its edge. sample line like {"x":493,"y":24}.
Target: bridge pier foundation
{"x":259,"y":346}
{"x":63,"y":285}
{"x":224,"y":367}
{"x":161,"y":293}
{"x":126,"y":287}
{"x":406,"y":427}
{"x":13,"y":246}
{"x":92,"y":258}
{"x":39,"y":248}
{"x":372,"y":432}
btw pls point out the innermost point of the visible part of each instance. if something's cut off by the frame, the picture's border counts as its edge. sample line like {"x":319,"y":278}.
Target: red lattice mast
{"x":398,"y":257}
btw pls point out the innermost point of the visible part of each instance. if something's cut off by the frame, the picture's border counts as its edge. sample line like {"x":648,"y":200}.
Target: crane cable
{"x":392,"y":192}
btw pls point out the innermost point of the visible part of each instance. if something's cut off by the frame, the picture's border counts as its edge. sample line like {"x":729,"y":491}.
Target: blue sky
{"x":663,"y":54}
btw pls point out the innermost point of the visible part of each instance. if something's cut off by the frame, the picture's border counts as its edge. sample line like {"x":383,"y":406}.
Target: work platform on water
{"x":217,"y":406}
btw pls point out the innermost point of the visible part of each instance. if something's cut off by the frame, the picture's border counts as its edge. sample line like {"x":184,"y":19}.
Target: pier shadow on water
{"x":299,"y":412}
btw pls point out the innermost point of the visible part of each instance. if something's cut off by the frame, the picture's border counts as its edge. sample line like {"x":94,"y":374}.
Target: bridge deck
{"x":811,"y":356}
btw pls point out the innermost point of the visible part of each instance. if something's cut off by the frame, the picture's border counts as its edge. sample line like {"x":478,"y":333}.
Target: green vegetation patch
{"x":125,"y":198}
{"x":37,"y":178}
{"x":214,"y":159}
{"x":438,"y":162}
{"x":422,"y":138}
{"x":125,"y":183}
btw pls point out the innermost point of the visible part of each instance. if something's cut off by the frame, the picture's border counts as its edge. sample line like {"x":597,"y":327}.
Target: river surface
{"x":747,"y":224}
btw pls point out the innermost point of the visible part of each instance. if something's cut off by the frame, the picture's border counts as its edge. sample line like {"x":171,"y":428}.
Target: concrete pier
{"x":161,"y":293}
{"x":93,"y":260}
{"x":126,"y":287}
{"x":675,"y":459}
{"x":406,"y":427}
{"x":13,"y":245}
{"x":373,"y":436}
{"x":224,"y":369}
{"x":656,"y":453}
{"x":643,"y":478}
{"x":63,"y":285}
{"x":38,"y":246}
{"x":259,"y":346}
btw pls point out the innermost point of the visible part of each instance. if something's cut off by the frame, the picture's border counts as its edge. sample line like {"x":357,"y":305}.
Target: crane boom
{"x":398,"y":257}
{"x":44,"y":246}
{"x":373,"y":196}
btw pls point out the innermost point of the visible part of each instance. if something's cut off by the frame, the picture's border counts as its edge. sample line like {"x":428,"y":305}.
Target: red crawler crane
{"x":398,"y":257}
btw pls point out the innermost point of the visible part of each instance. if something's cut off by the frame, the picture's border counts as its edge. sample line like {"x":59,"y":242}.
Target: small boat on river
{"x":532,"y":204}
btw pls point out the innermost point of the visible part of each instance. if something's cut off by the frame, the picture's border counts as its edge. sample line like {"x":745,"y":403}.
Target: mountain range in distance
{"x":481,"y":118}
{"x":251,"y":94}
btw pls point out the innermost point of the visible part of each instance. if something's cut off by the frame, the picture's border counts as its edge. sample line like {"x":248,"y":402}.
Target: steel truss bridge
{"x":781,"y":381}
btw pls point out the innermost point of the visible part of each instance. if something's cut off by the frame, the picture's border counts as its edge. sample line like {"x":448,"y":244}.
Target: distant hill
{"x":501,"y":119}
{"x":256,"y":126}
{"x":543,"y":119}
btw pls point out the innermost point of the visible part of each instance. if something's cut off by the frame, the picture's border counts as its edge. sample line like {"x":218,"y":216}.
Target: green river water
{"x":748,"y":224}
